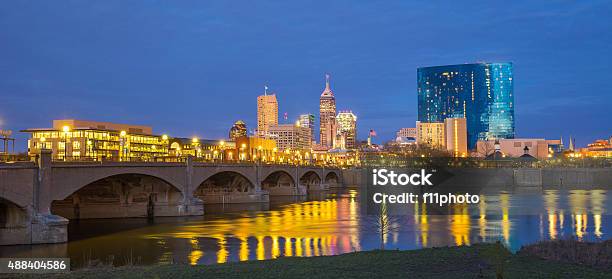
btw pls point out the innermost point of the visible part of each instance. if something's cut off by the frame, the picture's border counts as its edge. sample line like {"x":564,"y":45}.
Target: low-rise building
{"x":538,"y":148}
{"x":93,"y":140}
{"x":254,"y":148}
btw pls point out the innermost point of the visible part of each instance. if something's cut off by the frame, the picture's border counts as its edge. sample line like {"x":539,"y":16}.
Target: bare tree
{"x":485,"y":148}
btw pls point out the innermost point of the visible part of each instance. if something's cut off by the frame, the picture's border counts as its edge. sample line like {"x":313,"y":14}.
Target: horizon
{"x":192,"y":69}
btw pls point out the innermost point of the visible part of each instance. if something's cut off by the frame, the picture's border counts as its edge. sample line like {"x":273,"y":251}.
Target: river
{"x":328,"y":224}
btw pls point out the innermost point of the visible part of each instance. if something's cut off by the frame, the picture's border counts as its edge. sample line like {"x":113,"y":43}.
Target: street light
{"x":122,"y":135}
{"x":222,"y":144}
{"x":66,"y":129}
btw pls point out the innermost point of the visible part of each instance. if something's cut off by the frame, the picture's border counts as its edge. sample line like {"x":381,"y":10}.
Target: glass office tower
{"x":481,"y":92}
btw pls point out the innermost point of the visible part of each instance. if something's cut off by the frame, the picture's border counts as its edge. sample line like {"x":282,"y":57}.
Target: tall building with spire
{"x":327,"y":115}
{"x":267,"y":112}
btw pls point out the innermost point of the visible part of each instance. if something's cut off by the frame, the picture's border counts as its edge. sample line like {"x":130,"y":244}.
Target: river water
{"x":328,"y":224}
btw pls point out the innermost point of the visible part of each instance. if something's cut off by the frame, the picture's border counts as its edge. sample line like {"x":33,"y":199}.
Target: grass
{"x":477,"y":261}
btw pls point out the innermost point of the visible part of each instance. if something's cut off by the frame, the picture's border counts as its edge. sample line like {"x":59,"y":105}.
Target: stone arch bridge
{"x":37,"y":199}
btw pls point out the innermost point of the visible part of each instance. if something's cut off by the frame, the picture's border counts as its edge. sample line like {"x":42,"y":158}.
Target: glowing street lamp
{"x":66,"y":129}
{"x":122,"y":135}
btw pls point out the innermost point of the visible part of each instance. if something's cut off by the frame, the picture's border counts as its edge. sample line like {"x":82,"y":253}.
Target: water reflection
{"x":329,"y":226}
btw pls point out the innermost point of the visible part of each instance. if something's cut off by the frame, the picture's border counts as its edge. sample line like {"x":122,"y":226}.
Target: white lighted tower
{"x":327,"y":115}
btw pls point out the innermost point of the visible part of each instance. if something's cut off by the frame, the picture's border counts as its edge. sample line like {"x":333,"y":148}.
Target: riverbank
{"x":477,"y":261}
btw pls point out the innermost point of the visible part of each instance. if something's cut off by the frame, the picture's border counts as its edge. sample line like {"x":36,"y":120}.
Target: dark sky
{"x":191,"y":68}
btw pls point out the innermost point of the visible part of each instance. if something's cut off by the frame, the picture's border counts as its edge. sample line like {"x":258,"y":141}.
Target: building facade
{"x":431,"y":134}
{"x":289,"y":136}
{"x":308,"y":121}
{"x":480,"y":92}
{"x":327,"y":115}
{"x":93,"y":140}
{"x":538,"y":148}
{"x":347,"y":127}
{"x":410,"y":133}
{"x":239,"y":129}
{"x":267,"y":113}
{"x":456,"y":136}
{"x":254,"y":148}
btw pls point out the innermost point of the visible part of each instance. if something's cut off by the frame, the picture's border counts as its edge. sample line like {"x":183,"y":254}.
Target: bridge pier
{"x":46,"y":227}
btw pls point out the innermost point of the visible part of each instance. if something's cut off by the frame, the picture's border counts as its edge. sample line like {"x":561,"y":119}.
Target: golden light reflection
{"x":504,"y":203}
{"x":460,"y":225}
{"x":597,"y":221}
{"x":222,"y":253}
{"x":243,"y":254}
{"x":482,"y":221}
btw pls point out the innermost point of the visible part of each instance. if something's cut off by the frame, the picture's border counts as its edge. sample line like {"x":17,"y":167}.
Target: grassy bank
{"x":477,"y":261}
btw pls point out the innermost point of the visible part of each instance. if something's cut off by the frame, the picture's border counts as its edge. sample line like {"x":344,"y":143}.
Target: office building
{"x":480,"y":92}
{"x":267,"y":113}
{"x":431,"y":134}
{"x":327,"y":115}
{"x":97,"y":141}
{"x":239,"y":129}
{"x":455,"y":130}
{"x":346,"y":123}
{"x":289,"y":136}
{"x":308,"y":121}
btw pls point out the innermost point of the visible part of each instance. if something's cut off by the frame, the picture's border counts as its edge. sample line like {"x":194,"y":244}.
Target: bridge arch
{"x":310,"y":178}
{"x":121,"y":195}
{"x":332,"y":178}
{"x":231,"y":186}
{"x":12,"y":215}
{"x":66,"y":181}
{"x":281,"y":183}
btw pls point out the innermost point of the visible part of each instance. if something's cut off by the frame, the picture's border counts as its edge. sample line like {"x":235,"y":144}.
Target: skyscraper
{"x":308,"y":121}
{"x":347,"y":126}
{"x":327,"y":115}
{"x":480,"y":92}
{"x":267,"y":112}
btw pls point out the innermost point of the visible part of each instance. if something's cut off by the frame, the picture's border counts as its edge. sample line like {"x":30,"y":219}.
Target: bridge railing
{"x":181,"y":159}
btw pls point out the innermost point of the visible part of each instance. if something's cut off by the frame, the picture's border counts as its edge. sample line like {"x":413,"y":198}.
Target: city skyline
{"x":182,"y":84}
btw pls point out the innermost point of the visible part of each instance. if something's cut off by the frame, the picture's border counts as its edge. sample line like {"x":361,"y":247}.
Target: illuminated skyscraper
{"x":327,"y":115}
{"x":308,"y":121}
{"x":347,"y":126}
{"x":267,"y":112}
{"x":481,"y":92}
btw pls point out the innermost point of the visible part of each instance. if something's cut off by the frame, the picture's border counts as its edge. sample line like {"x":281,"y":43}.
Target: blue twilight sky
{"x":191,"y":68}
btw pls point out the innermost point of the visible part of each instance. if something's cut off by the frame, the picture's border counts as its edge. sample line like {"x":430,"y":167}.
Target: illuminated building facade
{"x":538,"y":148}
{"x":481,"y":92}
{"x":327,"y":115}
{"x":97,"y":141}
{"x":254,"y":148}
{"x":599,"y":148}
{"x":431,"y":134}
{"x":289,"y":136}
{"x":308,"y":121}
{"x":202,"y":148}
{"x":456,"y":136}
{"x":407,"y":133}
{"x":267,"y":113}
{"x":347,"y":127}
{"x":239,"y":129}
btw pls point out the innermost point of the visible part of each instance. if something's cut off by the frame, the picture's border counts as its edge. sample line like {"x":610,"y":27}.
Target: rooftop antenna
{"x":266,"y":90}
